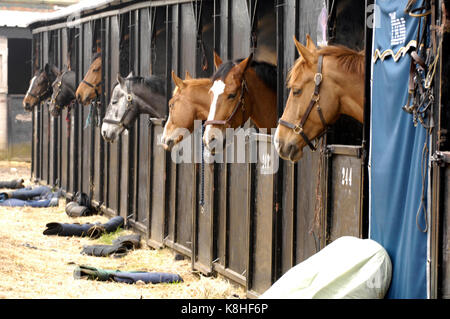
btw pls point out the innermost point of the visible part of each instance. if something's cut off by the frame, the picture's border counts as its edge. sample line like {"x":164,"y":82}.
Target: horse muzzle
{"x":168,"y":144}
{"x":288,"y":151}
{"x":109,"y":137}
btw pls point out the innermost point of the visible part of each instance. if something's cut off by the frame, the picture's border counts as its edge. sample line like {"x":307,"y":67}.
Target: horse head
{"x":40,"y":87}
{"x":63,"y":92}
{"x":324,"y":83}
{"x":190,"y":101}
{"x":90,"y":87}
{"x":130,"y":97}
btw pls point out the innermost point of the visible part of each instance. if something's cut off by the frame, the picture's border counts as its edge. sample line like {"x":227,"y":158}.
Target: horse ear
{"x":310,"y":44}
{"x":245,"y":63}
{"x":120,"y":80}
{"x":178,"y":82}
{"x":304,"y":52}
{"x":188,"y":76}
{"x":130,"y":75}
{"x":47,"y":68}
{"x":217,"y":60}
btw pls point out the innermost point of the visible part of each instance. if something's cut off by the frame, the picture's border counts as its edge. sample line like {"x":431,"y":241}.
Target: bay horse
{"x":130,"y":97}
{"x":90,"y":88}
{"x":241,"y":90}
{"x":63,"y":92}
{"x":40,"y":87}
{"x":324,"y":84}
{"x":190,"y":101}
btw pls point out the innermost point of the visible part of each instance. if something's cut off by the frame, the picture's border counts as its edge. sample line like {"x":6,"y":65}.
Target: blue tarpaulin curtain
{"x":396,"y":154}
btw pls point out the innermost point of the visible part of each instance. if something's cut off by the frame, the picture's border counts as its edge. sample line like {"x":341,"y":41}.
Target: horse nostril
{"x":169,"y":143}
{"x":292,"y":148}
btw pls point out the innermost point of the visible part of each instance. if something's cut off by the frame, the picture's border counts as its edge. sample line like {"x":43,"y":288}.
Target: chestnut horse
{"x":63,"y":92}
{"x":40,"y":87}
{"x":241,"y":90}
{"x":90,"y":87}
{"x":190,"y":101}
{"x":324,"y":84}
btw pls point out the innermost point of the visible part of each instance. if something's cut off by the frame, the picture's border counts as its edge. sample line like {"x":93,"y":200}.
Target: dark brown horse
{"x":241,"y":90}
{"x":90,"y":88}
{"x":63,"y":92}
{"x":324,"y":84}
{"x":40,"y":87}
{"x":190,"y":101}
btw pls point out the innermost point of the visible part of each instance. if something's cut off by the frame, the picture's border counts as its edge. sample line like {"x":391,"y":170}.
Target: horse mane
{"x":349,"y":61}
{"x":156,"y":83}
{"x":265,"y":71}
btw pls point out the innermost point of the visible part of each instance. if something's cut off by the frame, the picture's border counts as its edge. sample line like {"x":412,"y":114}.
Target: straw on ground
{"x":33,"y":265}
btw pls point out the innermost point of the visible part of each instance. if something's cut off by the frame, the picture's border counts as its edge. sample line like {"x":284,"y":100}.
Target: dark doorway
{"x":19,"y":65}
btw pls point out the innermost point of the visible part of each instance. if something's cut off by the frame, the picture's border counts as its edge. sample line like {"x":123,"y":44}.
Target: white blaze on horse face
{"x":31,"y":84}
{"x":217,"y":89}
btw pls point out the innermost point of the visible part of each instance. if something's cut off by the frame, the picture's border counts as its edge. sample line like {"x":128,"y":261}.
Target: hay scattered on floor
{"x":37,"y":266}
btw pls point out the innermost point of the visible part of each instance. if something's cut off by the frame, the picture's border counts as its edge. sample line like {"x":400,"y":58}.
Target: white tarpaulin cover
{"x":349,"y":267}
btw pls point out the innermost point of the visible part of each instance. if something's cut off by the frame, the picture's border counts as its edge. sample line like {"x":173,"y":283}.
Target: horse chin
{"x":55,"y":112}
{"x":111,"y":137}
{"x":295,"y":156}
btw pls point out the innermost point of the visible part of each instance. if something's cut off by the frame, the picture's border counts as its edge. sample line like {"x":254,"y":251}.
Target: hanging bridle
{"x":239,"y":105}
{"x":298,"y":129}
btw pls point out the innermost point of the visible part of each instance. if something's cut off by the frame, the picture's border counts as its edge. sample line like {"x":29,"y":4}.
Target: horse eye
{"x":297,"y":92}
{"x":231,"y":96}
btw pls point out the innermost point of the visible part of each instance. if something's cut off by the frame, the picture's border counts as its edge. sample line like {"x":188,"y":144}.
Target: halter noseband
{"x":94,"y":86}
{"x":239,"y":105}
{"x":298,"y":129}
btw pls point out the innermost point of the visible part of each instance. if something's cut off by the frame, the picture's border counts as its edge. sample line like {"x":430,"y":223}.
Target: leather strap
{"x":298,"y":129}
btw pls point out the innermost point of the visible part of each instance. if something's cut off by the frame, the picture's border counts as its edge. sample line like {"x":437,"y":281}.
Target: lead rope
{"x":88,"y":119}
{"x":423,"y":172}
{"x":202,"y":176}
{"x":318,"y":206}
